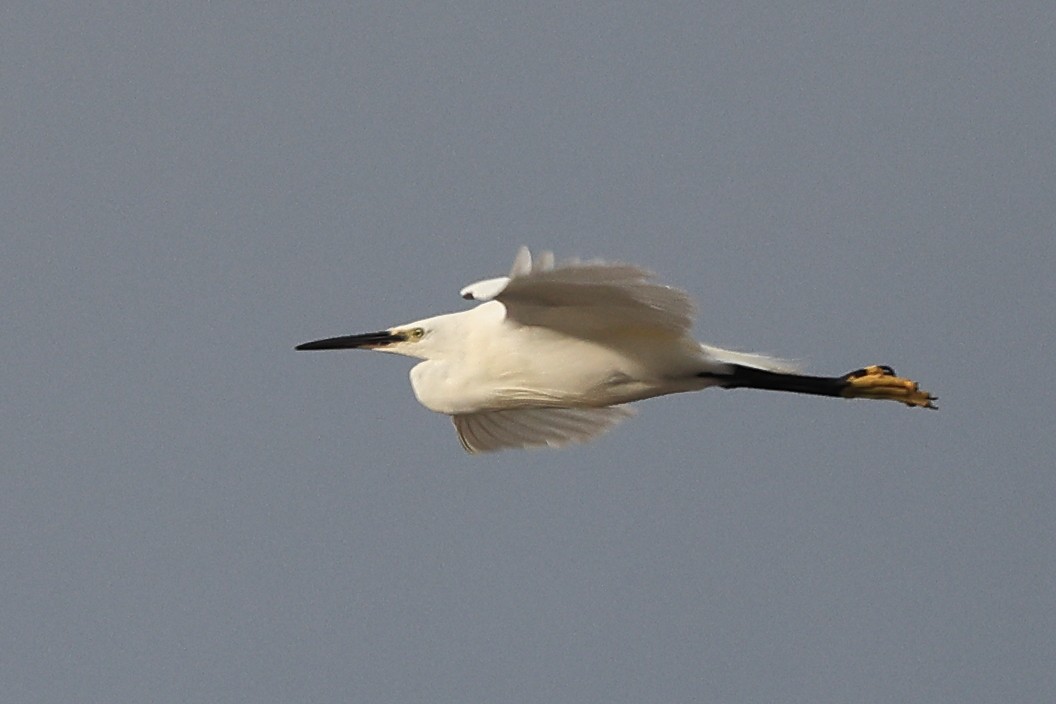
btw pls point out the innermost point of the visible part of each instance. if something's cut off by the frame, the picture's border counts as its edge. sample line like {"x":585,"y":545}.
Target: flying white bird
{"x":552,"y":354}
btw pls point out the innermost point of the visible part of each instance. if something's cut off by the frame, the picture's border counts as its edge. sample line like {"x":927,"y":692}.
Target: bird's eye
{"x":417,"y":333}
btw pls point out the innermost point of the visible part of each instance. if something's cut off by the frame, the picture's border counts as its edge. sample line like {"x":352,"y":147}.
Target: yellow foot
{"x":881,"y":382}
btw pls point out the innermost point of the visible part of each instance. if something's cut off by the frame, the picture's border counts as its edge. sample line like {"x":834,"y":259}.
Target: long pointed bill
{"x":369,"y":340}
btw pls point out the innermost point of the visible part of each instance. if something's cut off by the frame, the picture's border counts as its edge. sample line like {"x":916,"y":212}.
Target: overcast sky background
{"x":190,"y":511}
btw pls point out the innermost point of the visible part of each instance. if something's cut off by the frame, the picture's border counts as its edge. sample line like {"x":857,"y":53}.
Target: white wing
{"x":488,"y":289}
{"x":577,"y":294}
{"x":531,"y":427}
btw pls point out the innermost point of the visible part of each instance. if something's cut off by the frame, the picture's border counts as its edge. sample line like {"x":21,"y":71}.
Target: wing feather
{"x":593,"y":293}
{"x":533,"y":427}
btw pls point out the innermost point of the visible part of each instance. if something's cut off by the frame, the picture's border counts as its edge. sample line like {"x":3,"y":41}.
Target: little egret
{"x":552,"y":354}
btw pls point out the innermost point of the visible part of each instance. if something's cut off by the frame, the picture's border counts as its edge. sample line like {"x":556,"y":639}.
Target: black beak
{"x":368,"y":340}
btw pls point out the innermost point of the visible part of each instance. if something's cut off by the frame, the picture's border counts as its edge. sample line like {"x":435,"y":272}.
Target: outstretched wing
{"x":576,"y":294}
{"x":489,"y":289}
{"x":532,"y":427}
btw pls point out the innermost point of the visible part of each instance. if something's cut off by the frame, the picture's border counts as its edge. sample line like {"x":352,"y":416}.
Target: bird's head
{"x":402,"y":339}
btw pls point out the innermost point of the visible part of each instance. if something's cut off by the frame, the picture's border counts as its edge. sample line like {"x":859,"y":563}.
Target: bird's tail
{"x":751,"y":359}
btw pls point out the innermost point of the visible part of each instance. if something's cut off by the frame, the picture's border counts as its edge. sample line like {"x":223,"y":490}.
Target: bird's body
{"x":551,"y":354}
{"x":492,"y":361}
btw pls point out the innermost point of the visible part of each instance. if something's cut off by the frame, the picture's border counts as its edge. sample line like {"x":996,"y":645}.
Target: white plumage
{"x":552,"y":354}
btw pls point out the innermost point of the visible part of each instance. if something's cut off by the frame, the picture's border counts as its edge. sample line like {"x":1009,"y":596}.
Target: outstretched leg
{"x":877,"y":381}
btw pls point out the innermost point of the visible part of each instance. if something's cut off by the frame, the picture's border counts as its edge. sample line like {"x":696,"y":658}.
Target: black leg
{"x":878,"y":381}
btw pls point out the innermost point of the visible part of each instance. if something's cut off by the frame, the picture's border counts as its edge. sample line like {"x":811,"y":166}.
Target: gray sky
{"x":193,"y":512}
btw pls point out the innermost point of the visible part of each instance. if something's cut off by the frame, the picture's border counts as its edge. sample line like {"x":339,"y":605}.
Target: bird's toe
{"x":881,"y":382}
